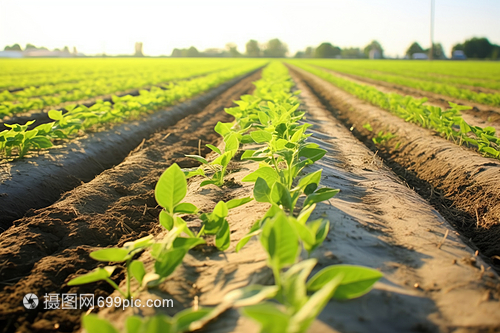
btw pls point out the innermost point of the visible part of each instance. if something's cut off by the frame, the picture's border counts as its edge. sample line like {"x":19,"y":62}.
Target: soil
{"x":488,"y":113}
{"x":462,"y":185}
{"x":432,"y":282}
{"x":40,"y":253}
{"x":429,"y":281}
{"x":63,"y":168}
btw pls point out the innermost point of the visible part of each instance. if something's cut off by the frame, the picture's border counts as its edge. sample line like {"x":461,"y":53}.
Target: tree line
{"x":474,"y":48}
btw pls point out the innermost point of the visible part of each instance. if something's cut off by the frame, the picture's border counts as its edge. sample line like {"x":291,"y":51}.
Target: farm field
{"x":256,"y":195}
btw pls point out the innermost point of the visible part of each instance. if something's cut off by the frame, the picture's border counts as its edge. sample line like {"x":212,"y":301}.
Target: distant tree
{"x":352,"y":52}
{"x":374,"y":50}
{"x":414,"y":48}
{"x":176,"y":53}
{"x":232,"y":50}
{"x":299,"y":54}
{"x":495,"y":53}
{"x":477,"y":48}
{"x":252,"y":49}
{"x":326,"y":50}
{"x":275,"y":49}
{"x":437,"y":51}
{"x":30,"y":47}
{"x":213,"y":52}
{"x":14,"y":47}
{"x":309,"y":52}
{"x":192,"y":52}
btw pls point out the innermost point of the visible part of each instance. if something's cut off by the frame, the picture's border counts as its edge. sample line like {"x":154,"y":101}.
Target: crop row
{"x":17,"y":74}
{"x":18,"y":140}
{"x":269,"y":119}
{"x":430,"y":86}
{"x":448,"y":123}
{"x":36,"y":98}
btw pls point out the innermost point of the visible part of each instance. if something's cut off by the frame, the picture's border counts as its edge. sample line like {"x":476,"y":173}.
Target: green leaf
{"x":97,"y":274}
{"x":137,"y":270}
{"x":158,"y":324}
{"x":294,"y":283}
{"x":320,"y":195}
{"x":305,"y":213}
{"x":222,"y":237}
{"x":171,"y":188}
{"x":270,"y":318}
{"x":267,"y":173}
{"x":221,"y":209}
{"x":246,"y":238}
{"x":215,"y":149}
{"x":310,"y":179}
{"x":281,"y":195}
{"x":263,"y":118}
{"x":313,"y":154}
{"x":261,"y":192}
{"x":251,"y":295}
{"x":319,"y":228}
{"x":313,"y":307}
{"x":94,"y":324}
{"x":356,"y":281}
{"x":304,"y":233}
{"x":233,"y":203}
{"x":197,"y":172}
{"x":261,"y":136}
{"x":247,"y":154}
{"x":198,"y":158}
{"x":139,"y":243}
{"x":186,"y":317}
{"x":187,"y":243}
{"x":133,"y":324}
{"x":166,"y":220}
{"x":55,"y":115}
{"x":185,"y":208}
{"x":280,"y":241}
{"x":231,"y":142}
{"x":223,"y":128}
{"x":112,"y":254}
{"x":41,"y":142}
{"x":168,"y":260}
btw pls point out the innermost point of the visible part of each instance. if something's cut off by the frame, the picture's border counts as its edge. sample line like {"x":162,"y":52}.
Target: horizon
{"x":212,"y":25}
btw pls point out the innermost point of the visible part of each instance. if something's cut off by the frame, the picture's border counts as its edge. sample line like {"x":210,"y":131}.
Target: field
{"x":249,"y":195}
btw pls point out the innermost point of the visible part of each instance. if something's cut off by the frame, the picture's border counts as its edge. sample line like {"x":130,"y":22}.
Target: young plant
{"x":125,"y":254}
{"x":215,"y":223}
{"x":302,"y":302}
{"x":219,"y":165}
{"x":184,"y":321}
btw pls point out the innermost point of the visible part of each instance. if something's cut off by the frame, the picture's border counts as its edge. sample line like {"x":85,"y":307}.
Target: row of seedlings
{"x":449,"y":123}
{"x":270,"y":119}
{"x":19,"y":140}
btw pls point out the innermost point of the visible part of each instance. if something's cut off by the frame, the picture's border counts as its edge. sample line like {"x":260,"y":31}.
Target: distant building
{"x":11,"y":54}
{"x":375,"y":54}
{"x":138,"y":50}
{"x":458,"y":55}
{"x":420,"y":56}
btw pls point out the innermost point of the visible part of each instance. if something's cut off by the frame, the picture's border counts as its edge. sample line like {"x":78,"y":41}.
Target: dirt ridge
{"x":39,"y":181}
{"x":40,"y":253}
{"x":462,"y":185}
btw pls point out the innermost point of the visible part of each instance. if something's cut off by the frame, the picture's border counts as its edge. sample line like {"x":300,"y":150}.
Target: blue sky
{"x":113,"y":26}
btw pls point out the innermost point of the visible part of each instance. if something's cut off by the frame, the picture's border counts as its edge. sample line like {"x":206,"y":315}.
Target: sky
{"x":113,"y":26}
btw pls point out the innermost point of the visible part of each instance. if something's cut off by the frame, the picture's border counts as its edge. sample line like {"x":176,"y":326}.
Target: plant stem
{"x":128,"y":278}
{"x":114,"y":285}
